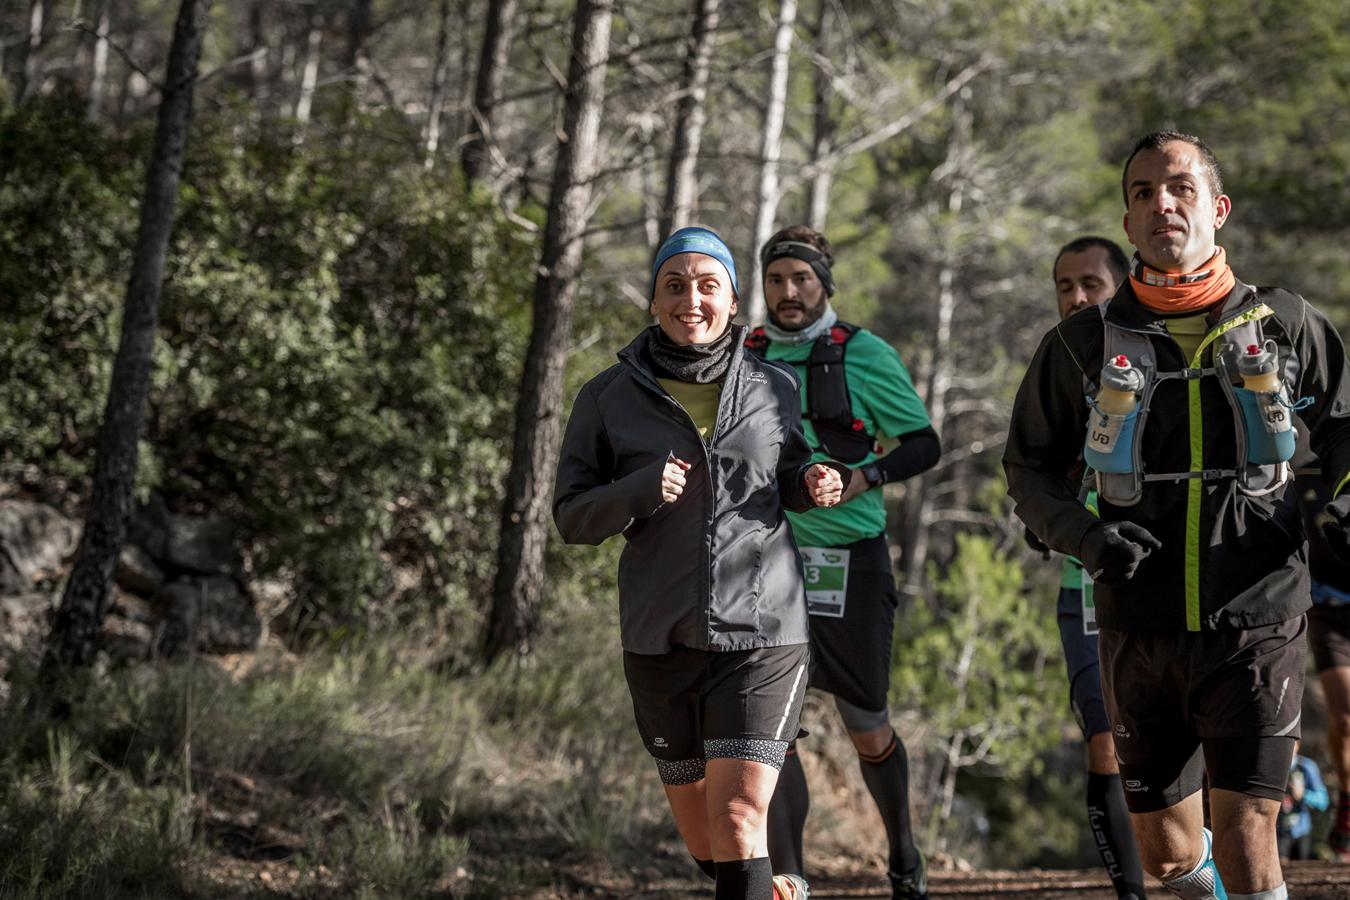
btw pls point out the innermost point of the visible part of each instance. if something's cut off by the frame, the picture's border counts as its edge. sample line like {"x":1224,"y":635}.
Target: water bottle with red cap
{"x":1265,"y":410}
{"x":1109,"y":446}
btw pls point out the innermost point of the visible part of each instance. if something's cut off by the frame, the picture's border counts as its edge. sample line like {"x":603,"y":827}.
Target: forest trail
{"x":1306,"y":880}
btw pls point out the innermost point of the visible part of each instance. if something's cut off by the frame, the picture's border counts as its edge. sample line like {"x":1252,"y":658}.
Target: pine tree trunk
{"x":918,"y":510}
{"x":309,"y":78}
{"x":770,"y":150}
{"x":259,"y":65}
{"x":822,"y":141}
{"x":75,"y":631}
{"x":488,"y":86}
{"x":651,"y":213}
{"x":356,"y":59}
{"x":29,"y":73}
{"x":98,"y":76}
{"x":437,"y":105}
{"x":677,"y":209}
{"x":525,"y":523}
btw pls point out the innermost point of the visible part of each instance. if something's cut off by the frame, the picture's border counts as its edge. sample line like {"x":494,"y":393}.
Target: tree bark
{"x":259,"y":65}
{"x":651,"y":213}
{"x":437,"y":105}
{"x":356,"y":60}
{"x":915,"y":522}
{"x":98,"y":76}
{"x":309,"y":79}
{"x":519,"y":579}
{"x":32,"y":47}
{"x":822,"y":139}
{"x":488,"y":86}
{"x":677,"y":209}
{"x":770,"y":150}
{"x":74,"y":637}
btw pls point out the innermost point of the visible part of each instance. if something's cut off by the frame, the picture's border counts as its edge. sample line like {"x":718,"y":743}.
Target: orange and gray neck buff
{"x":1170,"y":293}
{"x":798,"y":250}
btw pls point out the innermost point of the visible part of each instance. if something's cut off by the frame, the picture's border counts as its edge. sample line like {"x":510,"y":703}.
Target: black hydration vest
{"x":841,"y":434}
{"x":1228,"y":339}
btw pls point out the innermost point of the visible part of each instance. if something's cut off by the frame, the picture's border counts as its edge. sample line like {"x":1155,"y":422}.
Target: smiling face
{"x":1171,"y":213}
{"x":1083,"y":279}
{"x":793,"y":294}
{"x":694,"y":300}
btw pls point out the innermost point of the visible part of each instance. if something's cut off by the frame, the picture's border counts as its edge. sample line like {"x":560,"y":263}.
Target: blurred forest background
{"x":385,"y":282}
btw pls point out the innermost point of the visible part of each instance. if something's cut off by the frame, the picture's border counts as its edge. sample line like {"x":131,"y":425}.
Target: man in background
{"x":1087,"y":272}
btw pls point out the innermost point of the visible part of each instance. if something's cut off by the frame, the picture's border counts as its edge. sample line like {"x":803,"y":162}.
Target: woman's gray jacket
{"x":717,"y":569}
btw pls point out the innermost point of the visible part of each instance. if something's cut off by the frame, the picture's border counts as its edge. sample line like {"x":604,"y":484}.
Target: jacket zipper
{"x":655,"y":386}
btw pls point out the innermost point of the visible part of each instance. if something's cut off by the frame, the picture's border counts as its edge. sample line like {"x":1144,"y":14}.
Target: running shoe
{"x":913,"y":885}
{"x":790,"y":887}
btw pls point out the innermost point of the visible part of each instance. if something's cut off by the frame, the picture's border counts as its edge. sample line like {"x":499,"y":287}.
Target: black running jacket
{"x":717,"y":569}
{"x":1228,"y":560}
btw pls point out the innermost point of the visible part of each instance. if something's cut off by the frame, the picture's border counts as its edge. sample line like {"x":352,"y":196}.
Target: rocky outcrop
{"x":35,"y":543}
{"x":180,"y":583}
{"x":212,"y":614}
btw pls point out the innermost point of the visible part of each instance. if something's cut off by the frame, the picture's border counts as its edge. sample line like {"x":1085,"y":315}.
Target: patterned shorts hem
{"x":680,"y":771}
{"x":771,"y":753}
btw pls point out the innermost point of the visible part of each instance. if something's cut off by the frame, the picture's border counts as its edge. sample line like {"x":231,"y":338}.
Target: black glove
{"x":1111,"y":551}
{"x":1334,"y":520}
{"x":1035,"y":543}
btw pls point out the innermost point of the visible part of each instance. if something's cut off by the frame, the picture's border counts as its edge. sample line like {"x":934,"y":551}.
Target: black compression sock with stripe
{"x":707,"y":865}
{"x":787,"y":816}
{"x":1111,"y":832}
{"x":744,"y":879}
{"x":887,"y":778}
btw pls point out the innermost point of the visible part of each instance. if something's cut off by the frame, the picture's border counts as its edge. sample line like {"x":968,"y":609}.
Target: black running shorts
{"x":696,"y":705}
{"x":851,"y":656}
{"x":1329,"y":636}
{"x":1235,"y":694}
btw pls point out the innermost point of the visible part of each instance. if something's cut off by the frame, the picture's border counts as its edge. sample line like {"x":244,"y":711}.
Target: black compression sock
{"x":787,"y":816}
{"x":708,"y":866}
{"x":887,"y":778}
{"x":744,"y":879}
{"x":1111,"y":831}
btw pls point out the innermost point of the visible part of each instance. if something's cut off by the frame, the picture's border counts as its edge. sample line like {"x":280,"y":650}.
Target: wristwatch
{"x":872,"y":473}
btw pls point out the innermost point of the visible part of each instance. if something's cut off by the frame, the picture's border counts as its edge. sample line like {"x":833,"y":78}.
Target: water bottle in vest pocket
{"x":1110,"y":438}
{"x":1266,"y":411}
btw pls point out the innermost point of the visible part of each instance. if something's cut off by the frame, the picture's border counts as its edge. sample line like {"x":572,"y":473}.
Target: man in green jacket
{"x":855,"y":392}
{"x":1198,"y":555}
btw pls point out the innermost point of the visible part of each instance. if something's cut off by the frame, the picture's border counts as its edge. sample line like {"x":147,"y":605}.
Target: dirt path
{"x":1306,"y":880}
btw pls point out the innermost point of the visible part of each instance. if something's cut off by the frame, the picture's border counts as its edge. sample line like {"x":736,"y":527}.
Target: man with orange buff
{"x":1198,"y":555}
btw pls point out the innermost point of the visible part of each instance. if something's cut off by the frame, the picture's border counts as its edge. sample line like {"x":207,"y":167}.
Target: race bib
{"x":826,"y":571}
{"x":1089,"y":605}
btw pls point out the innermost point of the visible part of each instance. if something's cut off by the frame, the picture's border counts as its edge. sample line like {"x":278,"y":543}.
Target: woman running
{"x":691,"y":449}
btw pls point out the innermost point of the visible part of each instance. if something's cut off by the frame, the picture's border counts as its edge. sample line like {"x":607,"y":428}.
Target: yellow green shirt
{"x":1188,"y":332}
{"x":699,"y":400}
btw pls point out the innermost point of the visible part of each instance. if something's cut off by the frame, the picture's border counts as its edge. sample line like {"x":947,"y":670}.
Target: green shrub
{"x":340,"y":336}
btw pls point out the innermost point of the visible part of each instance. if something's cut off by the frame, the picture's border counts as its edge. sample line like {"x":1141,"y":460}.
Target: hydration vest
{"x":842,"y":435}
{"x":1235,"y":334}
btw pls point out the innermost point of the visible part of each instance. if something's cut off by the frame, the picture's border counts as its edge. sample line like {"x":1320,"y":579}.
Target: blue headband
{"x":695,"y":240}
